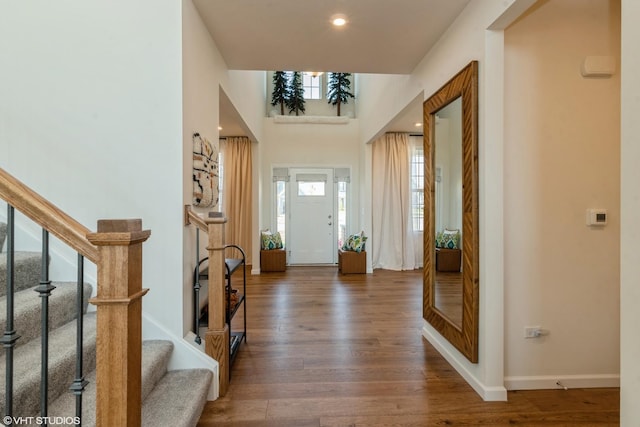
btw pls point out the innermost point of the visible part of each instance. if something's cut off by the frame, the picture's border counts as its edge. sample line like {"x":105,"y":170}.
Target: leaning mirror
{"x":450,"y":297}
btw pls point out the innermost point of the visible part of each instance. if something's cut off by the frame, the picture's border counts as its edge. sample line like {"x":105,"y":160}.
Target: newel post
{"x":119,"y":321}
{"x":217,"y":336}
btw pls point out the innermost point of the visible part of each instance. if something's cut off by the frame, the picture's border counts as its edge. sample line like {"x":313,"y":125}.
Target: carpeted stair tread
{"x":28,"y":307}
{"x":174,"y":398}
{"x":155,"y":358}
{"x":178,"y":399}
{"x":62,"y":361}
{"x":27,"y":266}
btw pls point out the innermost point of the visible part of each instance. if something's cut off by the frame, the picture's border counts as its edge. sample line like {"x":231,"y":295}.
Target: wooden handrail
{"x":116,"y":249}
{"x":217,"y":335}
{"x":47,"y":215}
{"x":190,"y":217}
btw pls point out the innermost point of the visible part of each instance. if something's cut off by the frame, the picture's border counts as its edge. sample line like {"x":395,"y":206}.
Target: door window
{"x":307,"y":188}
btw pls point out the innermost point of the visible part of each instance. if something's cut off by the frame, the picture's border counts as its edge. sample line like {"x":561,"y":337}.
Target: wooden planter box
{"x":448,"y":259}
{"x":273,"y":260}
{"x":352,"y":262}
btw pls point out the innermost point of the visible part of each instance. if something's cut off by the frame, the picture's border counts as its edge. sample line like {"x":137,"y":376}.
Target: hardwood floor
{"x":331,"y":350}
{"x":448,"y":295}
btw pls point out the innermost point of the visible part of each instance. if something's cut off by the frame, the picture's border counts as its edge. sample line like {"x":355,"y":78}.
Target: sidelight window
{"x":280,"y":180}
{"x":417,"y":187}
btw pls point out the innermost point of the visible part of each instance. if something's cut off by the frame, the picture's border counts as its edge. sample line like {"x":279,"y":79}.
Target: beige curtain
{"x":236,"y":203}
{"x":392,"y":234}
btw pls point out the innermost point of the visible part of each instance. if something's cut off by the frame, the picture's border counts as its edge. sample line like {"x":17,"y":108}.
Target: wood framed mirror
{"x":451,"y":259}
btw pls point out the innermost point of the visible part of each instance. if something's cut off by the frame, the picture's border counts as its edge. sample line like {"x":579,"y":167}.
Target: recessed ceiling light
{"x":418,"y":124}
{"x":339,"y":20}
{"x":219,"y":127}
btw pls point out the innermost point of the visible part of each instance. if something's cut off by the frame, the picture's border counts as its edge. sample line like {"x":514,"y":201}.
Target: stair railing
{"x":216,"y":338}
{"x":116,"y":249}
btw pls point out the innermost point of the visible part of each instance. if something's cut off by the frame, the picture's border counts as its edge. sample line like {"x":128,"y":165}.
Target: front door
{"x":312,"y":223}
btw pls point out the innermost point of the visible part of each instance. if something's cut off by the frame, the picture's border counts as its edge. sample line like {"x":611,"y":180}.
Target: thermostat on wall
{"x":596,"y":217}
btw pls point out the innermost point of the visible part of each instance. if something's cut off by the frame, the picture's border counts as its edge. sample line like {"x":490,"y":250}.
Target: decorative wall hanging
{"x":205,"y":172}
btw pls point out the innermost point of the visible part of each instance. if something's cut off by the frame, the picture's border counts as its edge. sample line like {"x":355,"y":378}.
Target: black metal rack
{"x":236,"y":337}
{"x":231,"y":265}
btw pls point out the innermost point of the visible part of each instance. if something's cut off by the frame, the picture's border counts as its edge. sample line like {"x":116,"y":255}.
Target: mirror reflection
{"x":448,"y":211}
{"x":451,"y":281}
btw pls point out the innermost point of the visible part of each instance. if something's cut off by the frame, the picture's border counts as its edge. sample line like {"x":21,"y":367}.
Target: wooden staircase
{"x":127,"y":382}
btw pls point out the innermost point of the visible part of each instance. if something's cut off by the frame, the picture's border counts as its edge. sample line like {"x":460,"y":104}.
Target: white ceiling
{"x":381,"y":36}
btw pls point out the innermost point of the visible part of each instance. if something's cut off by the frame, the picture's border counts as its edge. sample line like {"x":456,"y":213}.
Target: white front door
{"x":312,"y":217}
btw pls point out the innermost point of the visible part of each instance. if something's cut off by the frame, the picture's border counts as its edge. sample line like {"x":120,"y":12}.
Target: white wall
{"x":332,"y":145}
{"x":380,"y":98}
{"x":467,"y":40}
{"x":441,"y":208}
{"x":314,"y":107}
{"x":247,"y":92}
{"x":90,"y":117}
{"x":449,"y":157}
{"x":630,"y":206}
{"x":202,"y":65}
{"x":383,"y":97}
{"x":562,"y":156}
{"x":205,"y":74}
{"x":99,"y":98}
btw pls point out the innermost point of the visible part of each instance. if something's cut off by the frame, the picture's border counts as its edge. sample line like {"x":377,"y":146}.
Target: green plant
{"x":295,"y":99}
{"x":339,"y":89}
{"x":280,"y":90}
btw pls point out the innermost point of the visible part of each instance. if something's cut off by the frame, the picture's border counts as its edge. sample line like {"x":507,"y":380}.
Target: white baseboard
{"x":487,"y":393}
{"x":186,"y":353}
{"x":545,"y":382}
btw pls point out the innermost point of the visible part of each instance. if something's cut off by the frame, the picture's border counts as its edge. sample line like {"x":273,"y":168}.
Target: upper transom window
{"x":312,"y":83}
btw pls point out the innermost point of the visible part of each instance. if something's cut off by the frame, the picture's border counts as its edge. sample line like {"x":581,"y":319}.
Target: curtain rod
{"x":231,"y":136}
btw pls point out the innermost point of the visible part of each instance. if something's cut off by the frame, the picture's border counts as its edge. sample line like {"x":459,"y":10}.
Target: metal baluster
{"x":10,"y":337}
{"x":244,"y":291}
{"x":44,"y":289}
{"x":79,"y":383}
{"x":196,"y":289}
